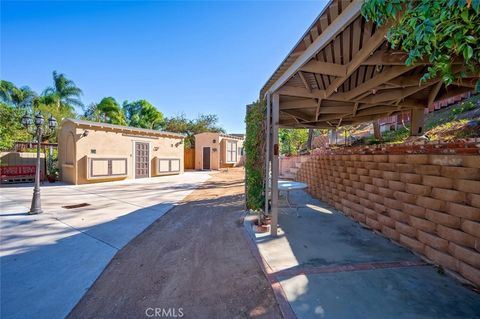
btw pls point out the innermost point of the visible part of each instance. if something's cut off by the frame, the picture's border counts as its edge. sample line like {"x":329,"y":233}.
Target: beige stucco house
{"x":90,"y":152}
{"x":217,"y":150}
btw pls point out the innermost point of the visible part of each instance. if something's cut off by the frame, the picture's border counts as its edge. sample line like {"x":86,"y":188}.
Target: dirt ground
{"x":194,"y":261}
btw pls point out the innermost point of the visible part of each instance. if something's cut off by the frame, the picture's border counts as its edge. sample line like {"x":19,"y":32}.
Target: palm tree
{"x":64,"y":92}
{"x":19,"y":97}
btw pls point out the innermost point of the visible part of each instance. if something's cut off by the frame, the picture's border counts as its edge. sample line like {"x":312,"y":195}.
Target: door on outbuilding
{"x":142,"y":158}
{"x":206,"y":158}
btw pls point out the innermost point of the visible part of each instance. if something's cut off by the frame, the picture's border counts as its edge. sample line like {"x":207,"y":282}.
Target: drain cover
{"x":76,"y":206}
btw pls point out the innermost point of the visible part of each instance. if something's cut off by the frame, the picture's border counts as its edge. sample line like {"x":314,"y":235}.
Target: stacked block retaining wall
{"x":426,"y":202}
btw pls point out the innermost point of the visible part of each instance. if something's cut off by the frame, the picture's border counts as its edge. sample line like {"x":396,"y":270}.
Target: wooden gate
{"x":189,"y":158}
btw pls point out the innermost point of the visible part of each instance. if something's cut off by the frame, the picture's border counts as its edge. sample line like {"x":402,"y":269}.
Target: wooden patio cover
{"x":343,"y":72}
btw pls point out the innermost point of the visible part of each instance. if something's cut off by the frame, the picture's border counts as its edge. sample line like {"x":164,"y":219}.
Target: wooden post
{"x":416,"y":122}
{"x":275,"y":172}
{"x":376,"y":130}
{"x":267,"y":155}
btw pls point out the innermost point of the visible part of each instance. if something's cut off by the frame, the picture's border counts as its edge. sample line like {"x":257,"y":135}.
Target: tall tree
{"x":142,"y":114}
{"x":64,"y":93}
{"x":107,"y":111}
{"x":21,"y":97}
{"x":292,"y":140}
{"x":204,"y":123}
{"x":11,"y":129}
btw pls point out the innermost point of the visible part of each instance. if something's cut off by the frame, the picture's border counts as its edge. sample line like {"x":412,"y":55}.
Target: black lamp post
{"x":36,"y":207}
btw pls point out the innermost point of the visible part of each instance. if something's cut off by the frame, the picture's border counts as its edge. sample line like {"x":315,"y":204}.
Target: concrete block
{"x":405,"y":168}
{"x":379,"y":208}
{"x":473,"y":200}
{"x":395,"y":176}
{"x":375,"y":198}
{"x":463,"y":211}
{"x":398,"y":215}
{"x":416,"y":189}
{"x":353,"y":177}
{"x":357,"y":185}
{"x":469,"y":272}
{"x":380,"y":158}
{"x":390,"y":233}
{"x":373,"y":223}
{"x":362,"y":171}
{"x":406,"y":229}
{"x":392,"y":203}
{"x":416,"y":159}
{"x":414,"y":210}
{"x":467,"y":255}
{"x":471,"y":227}
{"x":443,"y":219}
{"x":433,"y":241}
{"x":405,"y":197}
{"x":445,"y":160}
{"x":366,"y":158}
{"x":385,"y":220}
{"x":422,"y":224}
{"x":385,"y":192}
{"x":449,"y":195}
{"x":369,"y":213}
{"x":361,"y":193}
{"x":431,"y":203}
{"x":366,"y":203}
{"x":396,"y":185}
{"x":412,"y":243}
{"x":375,"y":173}
{"x":371,"y":165}
{"x":411,"y":178}
{"x":428,"y":170}
{"x":370,"y":188}
{"x":441,"y":258}
{"x":438,"y":181}
{"x":467,"y":186}
{"x":461,"y":172}
{"x":457,"y":236}
{"x":387,"y":167}
{"x":365,"y":179}
{"x":472,"y":161}
{"x":379,"y":182}
{"x":396,"y":158}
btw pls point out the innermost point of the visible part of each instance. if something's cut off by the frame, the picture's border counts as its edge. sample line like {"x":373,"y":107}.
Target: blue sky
{"x":184,"y":57}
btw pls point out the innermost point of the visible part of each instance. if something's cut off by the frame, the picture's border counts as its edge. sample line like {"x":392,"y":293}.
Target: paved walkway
{"x":49,"y":261}
{"x":324,"y":265}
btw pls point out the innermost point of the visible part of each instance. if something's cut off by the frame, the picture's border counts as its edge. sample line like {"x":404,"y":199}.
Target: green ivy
{"x":439,"y":31}
{"x":255,"y":155}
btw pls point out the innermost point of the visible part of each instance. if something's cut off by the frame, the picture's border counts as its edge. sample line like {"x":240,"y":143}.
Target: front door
{"x":206,"y":158}
{"x":142,"y":157}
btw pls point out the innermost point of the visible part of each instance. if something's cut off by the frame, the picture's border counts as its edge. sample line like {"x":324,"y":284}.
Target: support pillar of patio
{"x":417,"y":117}
{"x":275,"y":167}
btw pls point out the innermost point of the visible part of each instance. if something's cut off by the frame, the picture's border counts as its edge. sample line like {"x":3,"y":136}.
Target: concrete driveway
{"x":49,"y":261}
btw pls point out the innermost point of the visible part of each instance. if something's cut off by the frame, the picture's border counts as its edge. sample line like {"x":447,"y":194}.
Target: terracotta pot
{"x":51,"y":179}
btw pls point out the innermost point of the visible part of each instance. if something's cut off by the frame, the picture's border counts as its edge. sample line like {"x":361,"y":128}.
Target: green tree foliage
{"x":204,"y":123}
{"x":292,"y":140}
{"x":254,"y":146}
{"x":22,"y":97}
{"x":439,"y":31}
{"x":11,"y":129}
{"x":107,"y":111}
{"x":143,"y":114}
{"x":64,"y":93}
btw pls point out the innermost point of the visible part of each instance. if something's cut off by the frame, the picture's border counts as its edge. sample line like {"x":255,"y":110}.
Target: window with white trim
{"x":231,"y":151}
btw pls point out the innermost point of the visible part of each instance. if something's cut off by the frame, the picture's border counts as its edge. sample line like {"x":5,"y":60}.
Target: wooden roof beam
{"x":301,"y":92}
{"x":326,"y":68}
{"x":368,"y":48}
{"x":298,"y":104}
{"x":305,"y":82}
{"x":350,"y":13}
{"x":394,"y":94}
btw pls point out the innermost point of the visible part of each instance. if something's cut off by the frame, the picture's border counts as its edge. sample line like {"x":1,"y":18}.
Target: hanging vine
{"x":440,"y":31}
